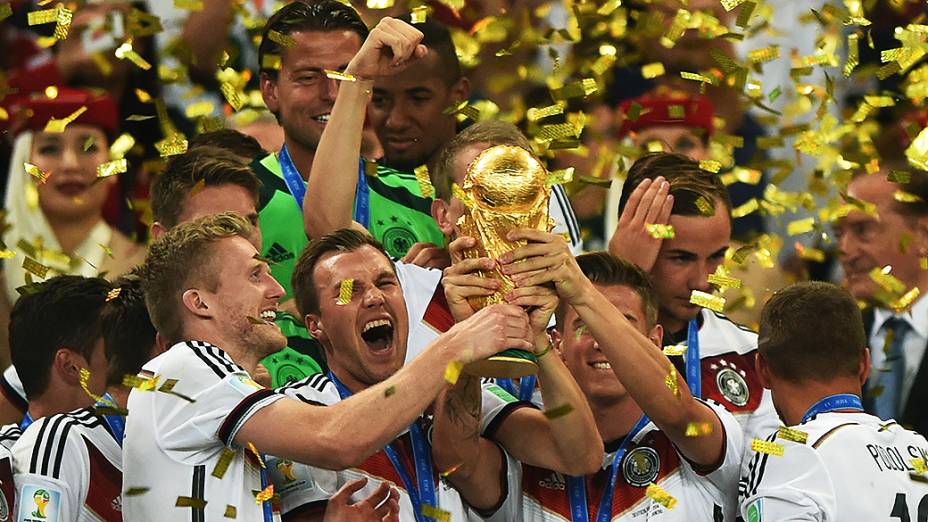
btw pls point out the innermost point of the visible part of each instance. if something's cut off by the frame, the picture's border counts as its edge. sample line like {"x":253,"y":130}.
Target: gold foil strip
{"x":769,"y":448}
{"x":793,"y":435}
{"x":112,"y":168}
{"x":658,"y":231}
{"x":281,"y":39}
{"x":453,"y":371}
{"x":657,"y":494}
{"x":345,"y":291}
{"x":559,"y":411}
{"x":698,"y":429}
{"x":340,"y":76}
{"x":712,"y":302}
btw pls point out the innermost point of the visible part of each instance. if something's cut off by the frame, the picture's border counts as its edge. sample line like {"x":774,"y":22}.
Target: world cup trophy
{"x":505,"y":188}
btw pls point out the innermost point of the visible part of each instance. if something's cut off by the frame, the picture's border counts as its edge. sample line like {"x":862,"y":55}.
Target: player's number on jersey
{"x":901,"y":509}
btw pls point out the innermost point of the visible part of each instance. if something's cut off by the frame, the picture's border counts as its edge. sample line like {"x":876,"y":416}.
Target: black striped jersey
{"x":175,"y":463}
{"x":726,"y":353}
{"x":12,"y":389}
{"x":542,"y":495}
{"x":852,"y":466}
{"x":9,"y":434}
{"x":68,"y":467}
{"x":304,"y":488}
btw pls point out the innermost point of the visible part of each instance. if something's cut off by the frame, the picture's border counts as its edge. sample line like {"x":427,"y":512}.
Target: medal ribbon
{"x":579,"y":511}
{"x":297,"y":187}
{"x":421,"y":457}
{"x":841,"y":401}
{"x":526,"y":387}
{"x":693,"y":368}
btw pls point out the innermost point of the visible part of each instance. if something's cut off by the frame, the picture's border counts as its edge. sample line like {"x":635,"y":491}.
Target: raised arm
{"x":316,"y":435}
{"x":643,"y":369}
{"x":391,"y":46}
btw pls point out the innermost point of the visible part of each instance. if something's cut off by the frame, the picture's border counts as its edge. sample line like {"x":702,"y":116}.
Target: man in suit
{"x":887,"y":230}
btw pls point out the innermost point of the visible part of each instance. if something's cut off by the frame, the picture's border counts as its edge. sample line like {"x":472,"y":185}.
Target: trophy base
{"x":508,"y":364}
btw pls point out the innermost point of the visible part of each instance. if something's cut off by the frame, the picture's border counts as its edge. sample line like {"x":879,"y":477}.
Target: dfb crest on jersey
{"x":4,"y":508}
{"x":731,"y":383}
{"x":641,"y":466}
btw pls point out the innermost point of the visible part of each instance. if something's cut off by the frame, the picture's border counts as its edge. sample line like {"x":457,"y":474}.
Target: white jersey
{"x":12,"y":388}
{"x":68,"y":467}
{"x":565,"y":222}
{"x":726,"y":352}
{"x":304,"y":488}
{"x":9,"y":434}
{"x":541,"y":495}
{"x":174,"y":440}
{"x":852,"y":467}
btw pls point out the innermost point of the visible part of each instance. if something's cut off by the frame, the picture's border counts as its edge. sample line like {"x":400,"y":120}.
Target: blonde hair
{"x":180,"y":259}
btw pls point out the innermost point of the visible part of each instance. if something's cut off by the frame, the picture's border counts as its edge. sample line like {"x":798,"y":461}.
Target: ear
{"x":863,"y":373}
{"x":195,"y":303}
{"x":763,"y":371}
{"x":460,"y":91}
{"x":556,"y":341}
{"x":268,"y":87}
{"x":157,"y":229}
{"x":314,"y":326}
{"x":441,"y":216}
{"x":66,"y":366}
{"x":657,"y":335}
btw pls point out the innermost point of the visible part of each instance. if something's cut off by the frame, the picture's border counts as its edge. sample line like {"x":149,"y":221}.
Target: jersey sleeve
{"x":511,"y":509}
{"x":418,"y":285}
{"x":794,"y":486}
{"x":12,"y":388}
{"x":214,"y":404}
{"x":565,"y":222}
{"x":50,"y":472}
{"x":299,"y":485}
{"x":725,"y":476}
{"x":44,"y":498}
{"x":496,"y":404}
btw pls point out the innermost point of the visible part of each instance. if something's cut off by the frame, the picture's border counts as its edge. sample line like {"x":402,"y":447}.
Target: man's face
{"x":581,"y":352}
{"x":407,"y":112}
{"x":685,"y":262}
{"x":365,"y":339}
{"x":302,"y":96}
{"x":447,"y":213}
{"x":216,"y":199}
{"x":866,"y":241}
{"x":674,"y":138}
{"x":245,"y":300}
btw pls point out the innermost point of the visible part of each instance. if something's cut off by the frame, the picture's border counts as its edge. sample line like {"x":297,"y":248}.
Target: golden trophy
{"x":505,"y":188}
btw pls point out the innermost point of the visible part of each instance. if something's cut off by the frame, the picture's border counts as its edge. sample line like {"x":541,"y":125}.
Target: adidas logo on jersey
{"x":278,"y":254}
{"x":555,"y":481}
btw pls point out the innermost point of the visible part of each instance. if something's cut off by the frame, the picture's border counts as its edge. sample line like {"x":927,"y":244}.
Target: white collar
{"x":916,"y":316}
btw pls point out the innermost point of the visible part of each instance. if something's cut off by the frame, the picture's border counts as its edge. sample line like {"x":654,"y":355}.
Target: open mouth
{"x":269,"y":315}
{"x":378,"y":335}
{"x":601,"y":366}
{"x":322,"y":118}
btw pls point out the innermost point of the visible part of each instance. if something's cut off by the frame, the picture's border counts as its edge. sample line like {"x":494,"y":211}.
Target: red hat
{"x":33,"y":111}
{"x":697,"y":112}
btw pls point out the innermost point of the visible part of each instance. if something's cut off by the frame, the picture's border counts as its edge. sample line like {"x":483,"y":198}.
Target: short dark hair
{"x":603,"y":268}
{"x":205,"y":165}
{"x":302,"y":15}
{"x":238,"y":143}
{"x":812,"y":331}
{"x":916,"y":185}
{"x":303,"y":282}
{"x":688,"y":183}
{"x":437,"y":37}
{"x":64,"y":312}
{"x":128,"y":335}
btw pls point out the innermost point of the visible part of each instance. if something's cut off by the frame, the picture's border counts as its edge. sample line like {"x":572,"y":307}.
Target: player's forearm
{"x":330,"y":194}
{"x":204,"y":37}
{"x":575,"y":438}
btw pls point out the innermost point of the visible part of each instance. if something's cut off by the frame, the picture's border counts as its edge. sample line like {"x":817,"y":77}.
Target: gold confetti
{"x":705,"y":300}
{"x":231,"y":95}
{"x":853,"y":54}
{"x":140,"y":383}
{"x":84,"y":378}
{"x":422,"y":177}
{"x":58,"y":125}
{"x":559,"y":411}
{"x":7,"y":254}
{"x":281,"y":39}
{"x":438,"y":514}
{"x":6,"y":10}
{"x":254,"y":450}
{"x":671,"y":381}
{"x":265,"y":495}
{"x":906,"y":300}
{"x":746,"y":208}
{"x":231,"y":512}
{"x":712,"y":166}
{"x":46,"y":16}
{"x":453,"y":371}
{"x":722,"y":281}
{"x":920,"y":465}
{"x":222,"y":465}
{"x":379,"y":4}
{"x":731,"y":4}
{"x":675,"y":349}
{"x":134,"y":492}
{"x":706,"y":208}
{"x":657,"y":494}
{"x":653,"y":70}
{"x":793,"y":435}
{"x":905,"y":197}
{"x":450,"y":471}
{"x":658,"y":231}
{"x":113,"y":294}
{"x":271,"y":61}
{"x":419,"y":14}
{"x":171,"y":146}
{"x":886,"y":281}
{"x":111,"y":168}
{"x":37,"y":173}
{"x":579,"y":89}
{"x":698,"y":429}
{"x":770,"y":448}
{"x":389,"y":391}
{"x":195,"y":503}
{"x":800,"y":226}
{"x":560,"y":176}
{"x":190,"y":5}
{"x":763,"y":55}
{"x":345,"y":291}
{"x":899,"y":176}
{"x":535,"y":114}
{"x":35,"y":268}
{"x":125,"y":52}
{"x":340,"y":76}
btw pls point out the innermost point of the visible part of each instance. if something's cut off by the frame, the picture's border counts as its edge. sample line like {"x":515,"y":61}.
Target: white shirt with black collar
{"x":914,"y":346}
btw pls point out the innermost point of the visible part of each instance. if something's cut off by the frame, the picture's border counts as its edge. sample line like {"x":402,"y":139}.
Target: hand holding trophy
{"x":505,"y":188}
